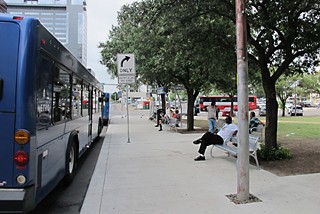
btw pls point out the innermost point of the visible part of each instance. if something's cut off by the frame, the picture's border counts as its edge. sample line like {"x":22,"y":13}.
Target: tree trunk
{"x":190,"y":110}
{"x":283,"y":110}
{"x":271,"y":116}
{"x":163,"y":101}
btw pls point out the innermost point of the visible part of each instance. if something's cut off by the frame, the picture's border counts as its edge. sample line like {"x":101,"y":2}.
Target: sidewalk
{"x":156,"y":173}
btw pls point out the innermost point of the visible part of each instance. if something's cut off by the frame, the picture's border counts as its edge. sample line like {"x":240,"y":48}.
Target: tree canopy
{"x":173,"y":50}
{"x":192,"y":43}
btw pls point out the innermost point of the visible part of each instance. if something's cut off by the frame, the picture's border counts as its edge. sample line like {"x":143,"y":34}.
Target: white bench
{"x":259,"y":131}
{"x":253,"y":147}
{"x":172,"y":123}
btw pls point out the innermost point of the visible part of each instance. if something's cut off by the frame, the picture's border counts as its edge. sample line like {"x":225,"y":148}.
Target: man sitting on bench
{"x":227,"y":131}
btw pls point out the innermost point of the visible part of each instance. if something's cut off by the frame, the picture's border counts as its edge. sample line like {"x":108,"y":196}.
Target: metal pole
{"x":243,"y":108}
{"x":128,"y":112}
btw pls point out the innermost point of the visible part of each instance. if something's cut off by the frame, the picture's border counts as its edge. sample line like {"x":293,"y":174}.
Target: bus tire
{"x":100,"y":126}
{"x":106,"y":122}
{"x":71,"y":161}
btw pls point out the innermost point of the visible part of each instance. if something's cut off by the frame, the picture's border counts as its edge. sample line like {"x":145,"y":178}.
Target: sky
{"x":101,"y":15}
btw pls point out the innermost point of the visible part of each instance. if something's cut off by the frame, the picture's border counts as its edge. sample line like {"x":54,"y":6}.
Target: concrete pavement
{"x":156,"y":173}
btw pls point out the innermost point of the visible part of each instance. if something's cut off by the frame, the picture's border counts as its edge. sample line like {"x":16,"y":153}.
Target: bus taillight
{"x":17,"y":18}
{"x":21,"y":158}
{"x":22,"y":136}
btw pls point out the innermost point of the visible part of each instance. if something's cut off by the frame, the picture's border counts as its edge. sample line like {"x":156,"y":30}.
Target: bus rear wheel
{"x":71,"y":162}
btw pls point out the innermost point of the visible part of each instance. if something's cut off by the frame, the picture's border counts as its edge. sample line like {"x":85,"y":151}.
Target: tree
{"x":284,"y":90}
{"x":282,"y":34}
{"x":310,"y":83}
{"x":170,"y":50}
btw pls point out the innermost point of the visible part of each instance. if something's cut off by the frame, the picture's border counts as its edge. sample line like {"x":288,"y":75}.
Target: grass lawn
{"x":297,"y":127}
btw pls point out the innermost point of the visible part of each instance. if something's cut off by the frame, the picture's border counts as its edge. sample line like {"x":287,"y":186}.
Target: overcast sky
{"x":102,"y":14}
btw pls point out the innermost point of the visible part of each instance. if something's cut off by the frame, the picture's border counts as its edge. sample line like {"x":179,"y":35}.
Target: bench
{"x":172,"y":123}
{"x":233,"y":150}
{"x":259,"y":131}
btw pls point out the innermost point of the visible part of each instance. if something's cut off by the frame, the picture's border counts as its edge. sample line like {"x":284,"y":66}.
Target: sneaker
{"x":177,"y":125}
{"x":200,"y":158}
{"x":197,"y":141}
{"x":160,"y":130}
{"x":156,"y":126}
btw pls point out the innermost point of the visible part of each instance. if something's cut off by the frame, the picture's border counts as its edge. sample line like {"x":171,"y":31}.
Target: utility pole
{"x":243,"y":108}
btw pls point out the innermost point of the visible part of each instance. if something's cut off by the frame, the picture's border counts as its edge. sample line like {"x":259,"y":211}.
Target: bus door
{"x":8,"y":76}
{"x":90,"y":104}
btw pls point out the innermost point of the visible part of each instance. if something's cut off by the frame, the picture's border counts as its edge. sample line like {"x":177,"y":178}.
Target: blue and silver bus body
{"x":106,"y":108}
{"x":30,"y":57}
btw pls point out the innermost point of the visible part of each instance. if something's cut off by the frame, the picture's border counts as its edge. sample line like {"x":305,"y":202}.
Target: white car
{"x":295,"y":110}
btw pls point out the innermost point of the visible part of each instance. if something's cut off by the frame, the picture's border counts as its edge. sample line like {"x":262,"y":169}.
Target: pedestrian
{"x":178,"y":118}
{"x":213,"y":112}
{"x":227,"y":131}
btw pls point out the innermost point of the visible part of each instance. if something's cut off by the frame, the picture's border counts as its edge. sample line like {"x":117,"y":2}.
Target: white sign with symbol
{"x":126,"y":68}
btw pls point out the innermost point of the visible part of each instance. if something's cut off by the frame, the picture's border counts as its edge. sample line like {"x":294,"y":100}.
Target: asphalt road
{"x":68,"y":200}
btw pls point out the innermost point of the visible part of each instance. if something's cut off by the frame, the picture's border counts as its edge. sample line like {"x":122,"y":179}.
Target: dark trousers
{"x":208,"y":139}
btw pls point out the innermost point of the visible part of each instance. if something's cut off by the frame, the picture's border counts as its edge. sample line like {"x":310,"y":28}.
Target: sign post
{"x":126,"y":75}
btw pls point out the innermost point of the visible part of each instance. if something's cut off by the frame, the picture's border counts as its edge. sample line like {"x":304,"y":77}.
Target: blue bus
{"x":49,"y":113}
{"x":105,"y":113}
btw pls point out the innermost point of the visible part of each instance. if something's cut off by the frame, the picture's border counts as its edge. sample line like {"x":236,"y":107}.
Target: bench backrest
{"x":253,"y":142}
{"x":231,"y":138}
{"x":258,"y":128}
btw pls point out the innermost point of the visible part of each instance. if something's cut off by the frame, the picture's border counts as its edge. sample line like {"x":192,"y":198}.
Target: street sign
{"x":126,"y":68}
{"x":126,"y":79}
{"x":161,"y":90}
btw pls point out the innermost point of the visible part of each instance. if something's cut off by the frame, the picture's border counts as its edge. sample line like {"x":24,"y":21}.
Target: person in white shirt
{"x":212,"y":116}
{"x":228,"y":130}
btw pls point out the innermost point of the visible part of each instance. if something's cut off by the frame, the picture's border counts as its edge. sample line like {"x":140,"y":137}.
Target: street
{"x":68,"y":199}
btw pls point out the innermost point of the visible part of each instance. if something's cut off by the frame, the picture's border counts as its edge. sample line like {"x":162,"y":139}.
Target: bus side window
{"x":44,"y":94}
{"x":61,"y":95}
{"x":76,"y":97}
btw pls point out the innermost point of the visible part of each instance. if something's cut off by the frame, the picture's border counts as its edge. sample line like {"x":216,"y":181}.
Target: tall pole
{"x":128,"y":113}
{"x":243,"y":108}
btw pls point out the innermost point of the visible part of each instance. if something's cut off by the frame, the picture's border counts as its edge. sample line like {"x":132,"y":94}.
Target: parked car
{"x":262,"y":111}
{"x":295,"y":110}
{"x":307,"y":104}
{"x":227,"y":111}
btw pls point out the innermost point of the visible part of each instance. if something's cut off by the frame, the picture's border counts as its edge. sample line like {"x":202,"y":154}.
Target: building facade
{"x":66,"y":19}
{"x":3,"y":6}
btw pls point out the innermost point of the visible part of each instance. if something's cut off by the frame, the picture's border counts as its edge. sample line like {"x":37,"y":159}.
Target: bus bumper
{"x":16,"y":200}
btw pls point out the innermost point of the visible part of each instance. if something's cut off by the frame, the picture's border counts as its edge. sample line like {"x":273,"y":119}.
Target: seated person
{"x":163,"y":119}
{"x":178,"y":117}
{"x":172,"y":114}
{"x":254,"y":122}
{"x":227,"y":130}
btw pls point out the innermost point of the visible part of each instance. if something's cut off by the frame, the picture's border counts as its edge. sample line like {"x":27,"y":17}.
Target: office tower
{"x":66,"y":19}
{"x":3,"y":6}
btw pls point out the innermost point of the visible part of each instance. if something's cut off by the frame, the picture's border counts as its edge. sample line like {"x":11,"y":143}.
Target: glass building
{"x":66,"y":19}
{"x":3,"y":6}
